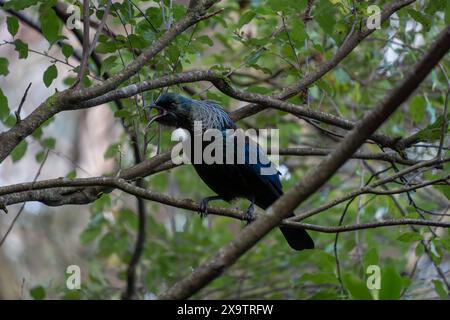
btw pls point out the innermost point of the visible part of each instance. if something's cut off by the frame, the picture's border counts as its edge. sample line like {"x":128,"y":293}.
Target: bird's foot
{"x":204,"y":205}
{"x":203,"y":212}
{"x":249,"y":213}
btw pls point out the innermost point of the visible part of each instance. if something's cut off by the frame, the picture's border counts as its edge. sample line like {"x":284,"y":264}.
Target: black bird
{"x":229,"y":181}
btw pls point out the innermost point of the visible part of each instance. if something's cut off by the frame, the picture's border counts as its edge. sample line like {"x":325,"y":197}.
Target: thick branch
{"x":64,"y":195}
{"x":48,"y":187}
{"x":223,"y":84}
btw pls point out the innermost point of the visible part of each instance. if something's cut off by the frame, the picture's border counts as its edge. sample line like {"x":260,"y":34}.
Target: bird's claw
{"x":204,"y":205}
{"x":203,"y":212}
{"x":249,"y":214}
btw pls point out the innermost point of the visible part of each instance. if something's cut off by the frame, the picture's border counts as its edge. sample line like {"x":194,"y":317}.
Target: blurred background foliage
{"x":263,"y":46}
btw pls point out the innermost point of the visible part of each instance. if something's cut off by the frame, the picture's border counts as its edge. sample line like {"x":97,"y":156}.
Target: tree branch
{"x":98,"y":184}
{"x":86,"y":40}
{"x":100,"y":27}
{"x":222,"y":83}
{"x":49,"y":186}
{"x":364,"y":226}
{"x":19,"y":109}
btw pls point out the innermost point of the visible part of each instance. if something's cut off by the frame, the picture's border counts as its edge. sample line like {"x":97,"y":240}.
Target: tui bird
{"x":229,"y":181}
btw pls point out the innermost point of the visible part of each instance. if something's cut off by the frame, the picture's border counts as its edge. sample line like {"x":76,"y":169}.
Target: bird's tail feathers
{"x":298,"y":239}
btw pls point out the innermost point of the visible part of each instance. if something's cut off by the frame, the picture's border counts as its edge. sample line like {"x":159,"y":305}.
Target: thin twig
{"x":38,"y":173}
{"x":24,"y":97}
{"x":86,"y":39}
{"x":100,"y":27}
{"x":444,"y":125}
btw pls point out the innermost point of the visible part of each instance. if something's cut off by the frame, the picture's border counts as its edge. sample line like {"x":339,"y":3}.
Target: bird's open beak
{"x":161,"y":113}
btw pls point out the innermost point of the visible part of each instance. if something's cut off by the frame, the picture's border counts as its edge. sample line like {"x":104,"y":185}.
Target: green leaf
{"x":418,"y":106}
{"x":112,"y":150}
{"x":205,"y":40}
{"x":286,"y":5}
{"x":433,"y":131}
{"x":4,"y":108}
{"x":40,"y":156}
{"x":246,"y":18}
{"x":122,"y":114}
{"x":4,"y":71}
{"x":434,"y":6}
{"x":108,"y":64}
{"x":253,"y":57}
{"x":19,"y":4}
{"x":410,"y":237}
{"x":322,"y":278}
{"x":10,"y":121}
{"x":439,"y":288}
{"x":107,"y":47}
{"x":297,"y":33}
{"x":101,"y":204}
{"x":38,"y":293}
{"x":340,"y":29}
{"x":419,"y":249}
{"x":69,"y":81}
{"x":71,"y":175}
{"x":446,"y":242}
{"x":22,"y":48}
{"x":371,"y":258}
{"x":391,"y":284}
{"x":326,"y":18}
{"x":126,"y":216}
{"x":48,"y":143}
{"x":445,"y":189}
{"x":50,"y":74}
{"x":277,"y":5}
{"x":137,"y":41}
{"x":420,"y":18}
{"x":12,"y":24}
{"x":90,"y":234}
{"x":50,"y":23}
{"x":447,"y":13}
{"x":107,"y":244}
{"x":19,"y":151}
{"x":37,"y":134}
{"x":325,"y":86}
{"x":67,"y":50}
{"x":356,"y":287}
{"x":342,"y":76}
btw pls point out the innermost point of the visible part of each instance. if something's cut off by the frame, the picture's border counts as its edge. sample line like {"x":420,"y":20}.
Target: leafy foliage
{"x":263,"y":46}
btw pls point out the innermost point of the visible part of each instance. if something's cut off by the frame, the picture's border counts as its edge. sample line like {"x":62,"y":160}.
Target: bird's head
{"x":174,"y":110}
{"x":177,"y":111}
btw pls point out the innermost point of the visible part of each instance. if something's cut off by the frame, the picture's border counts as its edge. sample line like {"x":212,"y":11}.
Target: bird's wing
{"x":258,"y":162}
